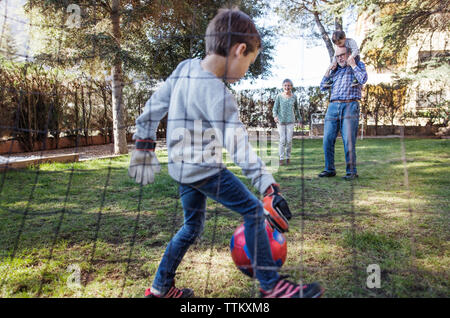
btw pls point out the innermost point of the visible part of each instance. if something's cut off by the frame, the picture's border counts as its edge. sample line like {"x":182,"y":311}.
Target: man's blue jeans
{"x":343,"y":117}
{"x":228,"y":190}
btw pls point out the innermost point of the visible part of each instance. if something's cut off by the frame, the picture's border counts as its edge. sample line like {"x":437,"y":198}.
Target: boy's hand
{"x":276,"y":209}
{"x":351,"y":61}
{"x":333,"y":66}
{"x":144,"y":164}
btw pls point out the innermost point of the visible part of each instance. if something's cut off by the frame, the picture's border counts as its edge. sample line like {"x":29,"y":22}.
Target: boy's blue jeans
{"x":343,"y":117}
{"x":228,"y":190}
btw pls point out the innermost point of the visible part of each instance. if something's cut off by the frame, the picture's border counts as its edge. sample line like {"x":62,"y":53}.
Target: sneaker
{"x":281,"y":162}
{"x":327,"y":174}
{"x":287,"y":289}
{"x":350,"y":176}
{"x":288,"y":161}
{"x":172,"y":293}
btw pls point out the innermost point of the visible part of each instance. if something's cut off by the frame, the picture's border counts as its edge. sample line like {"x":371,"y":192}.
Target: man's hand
{"x":144,"y":164}
{"x":276,"y":209}
{"x":351,"y":61}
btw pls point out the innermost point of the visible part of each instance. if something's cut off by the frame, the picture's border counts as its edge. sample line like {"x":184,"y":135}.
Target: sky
{"x":293,"y":60}
{"x":15,"y":13}
{"x":304,"y":65}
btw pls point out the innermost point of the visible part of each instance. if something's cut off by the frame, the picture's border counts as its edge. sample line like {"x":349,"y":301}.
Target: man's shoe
{"x":327,"y":174}
{"x":287,"y":161}
{"x":287,"y":289}
{"x":350,"y":176}
{"x":281,"y":162}
{"x":172,"y":293}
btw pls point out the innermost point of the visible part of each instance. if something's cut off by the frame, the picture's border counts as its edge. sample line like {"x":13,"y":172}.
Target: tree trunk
{"x":119,"y":132}
{"x":83,"y":113}
{"x":105,"y":114}
{"x":324,"y":35}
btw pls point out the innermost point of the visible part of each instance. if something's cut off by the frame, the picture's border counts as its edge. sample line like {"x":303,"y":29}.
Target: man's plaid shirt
{"x":342,"y":78}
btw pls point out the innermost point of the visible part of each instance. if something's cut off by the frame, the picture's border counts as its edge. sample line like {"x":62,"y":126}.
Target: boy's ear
{"x":240,"y":49}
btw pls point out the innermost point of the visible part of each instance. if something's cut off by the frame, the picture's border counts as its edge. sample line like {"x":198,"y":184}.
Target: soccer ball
{"x":240,"y":253}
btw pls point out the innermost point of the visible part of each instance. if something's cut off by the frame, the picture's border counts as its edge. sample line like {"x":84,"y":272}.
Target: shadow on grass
{"x":103,"y":224}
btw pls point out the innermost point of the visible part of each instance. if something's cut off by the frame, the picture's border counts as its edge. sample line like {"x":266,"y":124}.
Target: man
{"x":343,"y":111}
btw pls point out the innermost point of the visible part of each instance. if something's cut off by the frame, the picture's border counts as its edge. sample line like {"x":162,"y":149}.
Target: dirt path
{"x":85,"y":153}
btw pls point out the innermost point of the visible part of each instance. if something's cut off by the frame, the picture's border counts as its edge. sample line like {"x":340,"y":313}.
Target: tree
{"x":143,"y":37}
{"x":319,"y":17}
{"x":396,"y":23}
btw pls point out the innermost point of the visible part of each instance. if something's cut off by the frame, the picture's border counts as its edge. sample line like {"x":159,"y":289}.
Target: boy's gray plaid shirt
{"x":199,"y":105}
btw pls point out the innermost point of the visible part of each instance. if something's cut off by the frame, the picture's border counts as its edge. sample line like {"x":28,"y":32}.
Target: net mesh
{"x":113,"y":229}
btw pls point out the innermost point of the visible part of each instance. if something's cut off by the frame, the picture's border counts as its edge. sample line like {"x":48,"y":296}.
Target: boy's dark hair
{"x":287,"y":80}
{"x":228,"y":27}
{"x":338,"y":35}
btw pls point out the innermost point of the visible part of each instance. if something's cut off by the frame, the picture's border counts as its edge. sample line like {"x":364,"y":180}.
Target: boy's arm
{"x":237,"y":143}
{"x":224,"y":118}
{"x":350,"y":43}
{"x":143,"y":163}
{"x":155,"y":110}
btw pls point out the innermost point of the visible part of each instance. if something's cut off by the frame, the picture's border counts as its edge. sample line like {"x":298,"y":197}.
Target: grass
{"x":89,"y":215}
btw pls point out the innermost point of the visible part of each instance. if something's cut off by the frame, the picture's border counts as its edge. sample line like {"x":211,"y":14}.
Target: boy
{"x":340,"y":40}
{"x":197,"y":101}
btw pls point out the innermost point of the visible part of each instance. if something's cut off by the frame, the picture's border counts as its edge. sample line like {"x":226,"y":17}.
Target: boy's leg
{"x":228,"y":190}
{"x":194,"y":207}
{"x":331,"y":129}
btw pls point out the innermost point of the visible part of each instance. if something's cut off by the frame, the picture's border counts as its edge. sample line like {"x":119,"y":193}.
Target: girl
{"x":286,"y":114}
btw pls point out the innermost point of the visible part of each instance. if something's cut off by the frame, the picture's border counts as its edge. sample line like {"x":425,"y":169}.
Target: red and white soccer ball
{"x":240,"y":253}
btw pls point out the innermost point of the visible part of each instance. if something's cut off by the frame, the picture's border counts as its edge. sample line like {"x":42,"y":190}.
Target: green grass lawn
{"x":91,"y":216}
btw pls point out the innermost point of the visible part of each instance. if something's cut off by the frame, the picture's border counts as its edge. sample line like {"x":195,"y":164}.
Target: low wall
{"x":13,"y":146}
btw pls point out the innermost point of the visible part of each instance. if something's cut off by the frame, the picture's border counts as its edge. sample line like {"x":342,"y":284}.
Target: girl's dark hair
{"x":338,"y":35}
{"x":228,"y":27}
{"x":287,"y":80}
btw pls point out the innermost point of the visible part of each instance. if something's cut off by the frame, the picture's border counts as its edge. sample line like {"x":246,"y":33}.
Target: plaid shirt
{"x":342,"y":78}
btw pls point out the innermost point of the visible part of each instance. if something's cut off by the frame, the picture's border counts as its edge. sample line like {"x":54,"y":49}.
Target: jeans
{"x":228,"y":190}
{"x":286,"y":132}
{"x":342,"y":117}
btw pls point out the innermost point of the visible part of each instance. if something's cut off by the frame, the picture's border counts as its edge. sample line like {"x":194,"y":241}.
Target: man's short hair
{"x":338,"y":35}
{"x":228,"y":27}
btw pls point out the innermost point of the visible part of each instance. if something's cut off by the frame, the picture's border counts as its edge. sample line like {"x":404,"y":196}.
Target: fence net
{"x":84,"y":228}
